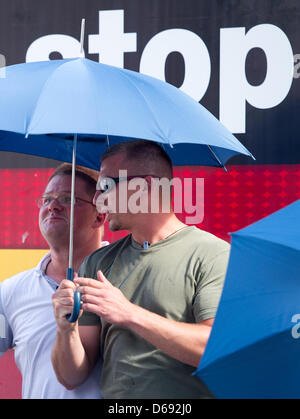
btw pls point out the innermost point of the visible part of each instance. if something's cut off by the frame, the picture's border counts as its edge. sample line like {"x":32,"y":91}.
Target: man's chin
{"x":55,"y":234}
{"x":113,"y":223}
{"x":114,"y":226}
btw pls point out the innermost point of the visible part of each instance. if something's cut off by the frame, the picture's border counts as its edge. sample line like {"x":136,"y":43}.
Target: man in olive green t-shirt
{"x":152,"y":306}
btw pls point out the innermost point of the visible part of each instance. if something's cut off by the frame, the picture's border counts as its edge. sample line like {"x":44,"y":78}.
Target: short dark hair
{"x":149,"y":153}
{"x":90,"y":176}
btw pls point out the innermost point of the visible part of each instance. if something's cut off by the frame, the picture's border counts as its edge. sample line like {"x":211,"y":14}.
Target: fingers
{"x":90,"y":299}
{"x":101,"y":283}
{"x":102,"y":279}
{"x":65,"y":292}
{"x":93,"y":283}
{"x":103,"y":299}
{"x":66,"y":284}
{"x":62,"y":301}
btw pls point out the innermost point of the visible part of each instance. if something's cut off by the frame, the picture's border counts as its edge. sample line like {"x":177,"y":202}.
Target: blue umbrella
{"x":99,"y":103}
{"x":72,"y":109}
{"x":254,"y":347}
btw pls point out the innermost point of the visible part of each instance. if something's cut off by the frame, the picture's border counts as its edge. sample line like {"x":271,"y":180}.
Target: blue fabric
{"x":251,"y":352}
{"x":95,"y":101}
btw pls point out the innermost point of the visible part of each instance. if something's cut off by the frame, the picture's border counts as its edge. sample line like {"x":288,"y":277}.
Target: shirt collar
{"x":41,"y":267}
{"x":41,"y":270}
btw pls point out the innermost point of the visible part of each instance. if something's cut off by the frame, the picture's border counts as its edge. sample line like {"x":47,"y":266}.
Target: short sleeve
{"x":210,"y":286}
{"x":6,"y":335}
{"x":89,"y":319}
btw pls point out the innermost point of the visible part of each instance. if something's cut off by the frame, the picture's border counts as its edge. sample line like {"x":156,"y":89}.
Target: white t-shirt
{"x":27,"y":323}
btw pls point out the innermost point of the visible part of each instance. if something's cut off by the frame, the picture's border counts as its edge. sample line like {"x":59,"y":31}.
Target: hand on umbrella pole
{"x":76,"y":307}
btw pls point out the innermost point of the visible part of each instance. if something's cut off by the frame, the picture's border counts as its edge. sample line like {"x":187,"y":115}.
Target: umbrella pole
{"x":72,"y":202}
{"x":70,"y":272}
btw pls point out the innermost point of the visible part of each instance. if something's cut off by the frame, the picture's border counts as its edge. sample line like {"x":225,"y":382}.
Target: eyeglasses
{"x":62,"y":200}
{"x":106,"y":184}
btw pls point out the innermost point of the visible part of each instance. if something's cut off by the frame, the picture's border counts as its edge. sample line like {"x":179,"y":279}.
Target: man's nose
{"x":54,"y":205}
{"x":97,"y":193}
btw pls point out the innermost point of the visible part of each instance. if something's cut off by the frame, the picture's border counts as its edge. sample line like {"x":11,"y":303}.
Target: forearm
{"x":183,"y":341}
{"x":69,"y":358}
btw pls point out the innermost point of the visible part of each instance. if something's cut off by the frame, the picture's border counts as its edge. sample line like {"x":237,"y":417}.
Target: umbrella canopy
{"x":102,"y":103}
{"x":254,"y":347}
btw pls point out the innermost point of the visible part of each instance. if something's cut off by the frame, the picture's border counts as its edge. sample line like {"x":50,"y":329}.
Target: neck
{"x":156,"y":228}
{"x":57,"y":267}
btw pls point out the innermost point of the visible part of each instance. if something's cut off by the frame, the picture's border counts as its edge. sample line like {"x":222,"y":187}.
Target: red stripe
{"x":231,"y":200}
{"x":241,"y":196}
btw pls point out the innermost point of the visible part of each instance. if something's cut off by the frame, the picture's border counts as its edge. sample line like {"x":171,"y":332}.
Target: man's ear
{"x":100,"y":220}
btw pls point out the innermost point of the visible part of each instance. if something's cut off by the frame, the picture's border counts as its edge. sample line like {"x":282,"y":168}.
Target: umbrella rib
{"x":41,"y":92}
{"x":148,"y":105}
{"x":216,"y":157}
{"x":96,"y":105}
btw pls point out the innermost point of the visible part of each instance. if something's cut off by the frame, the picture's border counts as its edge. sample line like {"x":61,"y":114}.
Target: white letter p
{"x":234,"y":87}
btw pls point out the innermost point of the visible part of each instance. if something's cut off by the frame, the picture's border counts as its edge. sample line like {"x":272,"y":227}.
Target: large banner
{"x":240,"y":59}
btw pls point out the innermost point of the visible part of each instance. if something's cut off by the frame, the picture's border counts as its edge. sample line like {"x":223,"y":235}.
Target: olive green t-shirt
{"x":180,"y":278}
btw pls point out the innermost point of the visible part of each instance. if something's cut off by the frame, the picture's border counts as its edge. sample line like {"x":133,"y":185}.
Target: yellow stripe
{"x":13,"y":261}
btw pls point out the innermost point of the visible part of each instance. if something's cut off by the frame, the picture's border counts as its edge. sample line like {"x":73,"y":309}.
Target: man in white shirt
{"x":26,"y":315}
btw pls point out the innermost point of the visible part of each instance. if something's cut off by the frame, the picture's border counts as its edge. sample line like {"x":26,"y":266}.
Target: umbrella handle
{"x":72,"y":318}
